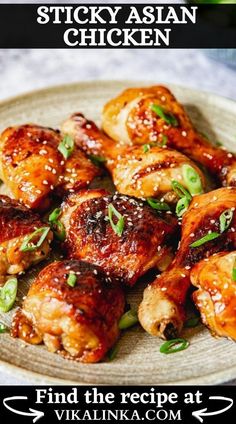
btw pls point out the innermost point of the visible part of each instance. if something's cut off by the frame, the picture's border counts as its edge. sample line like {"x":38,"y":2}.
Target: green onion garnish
{"x":3,"y":328}
{"x":97,"y":160}
{"x":71,"y":279}
{"x":192,"y":180}
{"x":205,"y":239}
{"x":180,"y":190}
{"x":156,"y":204}
{"x":234,"y":271}
{"x":185,"y":198}
{"x":192,"y":322}
{"x":225,"y":219}
{"x":182,"y":206}
{"x":174,"y":345}
{"x":167,"y":117}
{"x":218,"y":143}
{"x":56,"y":225}
{"x":127,"y":320}
{"x":111,"y":354}
{"x":164,"y":140}
{"x":119,"y":226}
{"x":54,"y":215}
{"x":28,"y":246}
{"x":8,"y":294}
{"x":146,"y":148}
{"x":66,"y":146}
{"x":59,"y":231}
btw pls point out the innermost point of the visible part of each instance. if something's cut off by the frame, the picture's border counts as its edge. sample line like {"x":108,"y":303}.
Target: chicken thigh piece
{"x":24,"y":238}
{"x":208,"y":227}
{"x":146,"y":115}
{"x":215,"y":297}
{"x":121,"y":234}
{"x":33,"y":167}
{"x":73,"y":310}
{"x":140,"y":171}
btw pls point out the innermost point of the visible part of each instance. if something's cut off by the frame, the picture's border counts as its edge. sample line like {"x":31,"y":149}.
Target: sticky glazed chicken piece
{"x":73,"y":309}
{"x":208,"y":227}
{"x":140,"y":171}
{"x":32,"y":167}
{"x":150,"y":174}
{"x":121,"y":234}
{"x":24,"y":238}
{"x":147,"y":115}
{"x":215,"y":296}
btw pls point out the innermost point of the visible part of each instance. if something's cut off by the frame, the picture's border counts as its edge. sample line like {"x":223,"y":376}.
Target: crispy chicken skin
{"x":79,"y":322}
{"x":216,"y":294}
{"x":161,"y":312}
{"x":16,"y":223}
{"x":144,"y":243}
{"x":32,"y":166}
{"x":140,"y":171}
{"x":129,"y":119}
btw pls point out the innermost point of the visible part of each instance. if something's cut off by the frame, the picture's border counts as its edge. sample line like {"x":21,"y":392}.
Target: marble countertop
{"x":24,"y":70}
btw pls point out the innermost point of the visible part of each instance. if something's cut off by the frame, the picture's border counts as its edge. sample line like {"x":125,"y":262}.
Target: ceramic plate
{"x":208,"y":360}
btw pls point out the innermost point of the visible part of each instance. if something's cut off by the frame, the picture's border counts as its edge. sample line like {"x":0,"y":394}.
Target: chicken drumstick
{"x":147,"y":115}
{"x":209,"y":226}
{"x":140,"y":171}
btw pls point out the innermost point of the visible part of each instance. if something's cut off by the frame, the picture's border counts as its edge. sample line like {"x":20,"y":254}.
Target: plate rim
{"x":133,"y":83}
{"x":12,"y":369}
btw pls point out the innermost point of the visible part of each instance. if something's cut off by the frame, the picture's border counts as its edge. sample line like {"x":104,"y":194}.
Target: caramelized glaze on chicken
{"x":144,"y":241}
{"x":131,"y":118}
{"x":140,"y":171}
{"x":216,"y":293}
{"x":16,"y":224}
{"x":162,"y":310}
{"x":32,"y":167}
{"x":78,"y":321}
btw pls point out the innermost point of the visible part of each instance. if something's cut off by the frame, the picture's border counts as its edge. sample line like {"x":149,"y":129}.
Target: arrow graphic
{"x":202,"y":412}
{"x":33,"y":412}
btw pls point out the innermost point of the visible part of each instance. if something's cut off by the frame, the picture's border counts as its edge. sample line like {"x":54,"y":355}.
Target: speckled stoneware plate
{"x":208,"y":360}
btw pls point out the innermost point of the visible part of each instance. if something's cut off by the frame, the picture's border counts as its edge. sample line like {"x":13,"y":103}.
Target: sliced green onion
{"x":111,"y":354}
{"x":205,"y":135}
{"x":205,"y":239}
{"x":164,"y":140}
{"x":97,"y":160}
{"x":192,"y":180}
{"x":225,"y":219}
{"x":56,"y":225}
{"x":182,"y":206}
{"x":8,"y":294}
{"x":234,"y":271}
{"x":28,"y":246}
{"x":66,"y":146}
{"x":59,"y":231}
{"x":146,"y":148}
{"x":180,"y":190}
{"x":156,"y":204}
{"x":54,"y":215}
{"x":167,"y":117}
{"x":174,"y":345}
{"x":218,"y":143}
{"x":192,"y":322}
{"x":119,"y":226}
{"x":3,"y":328}
{"x":127,"y":320}
{"x":71,"y":280}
